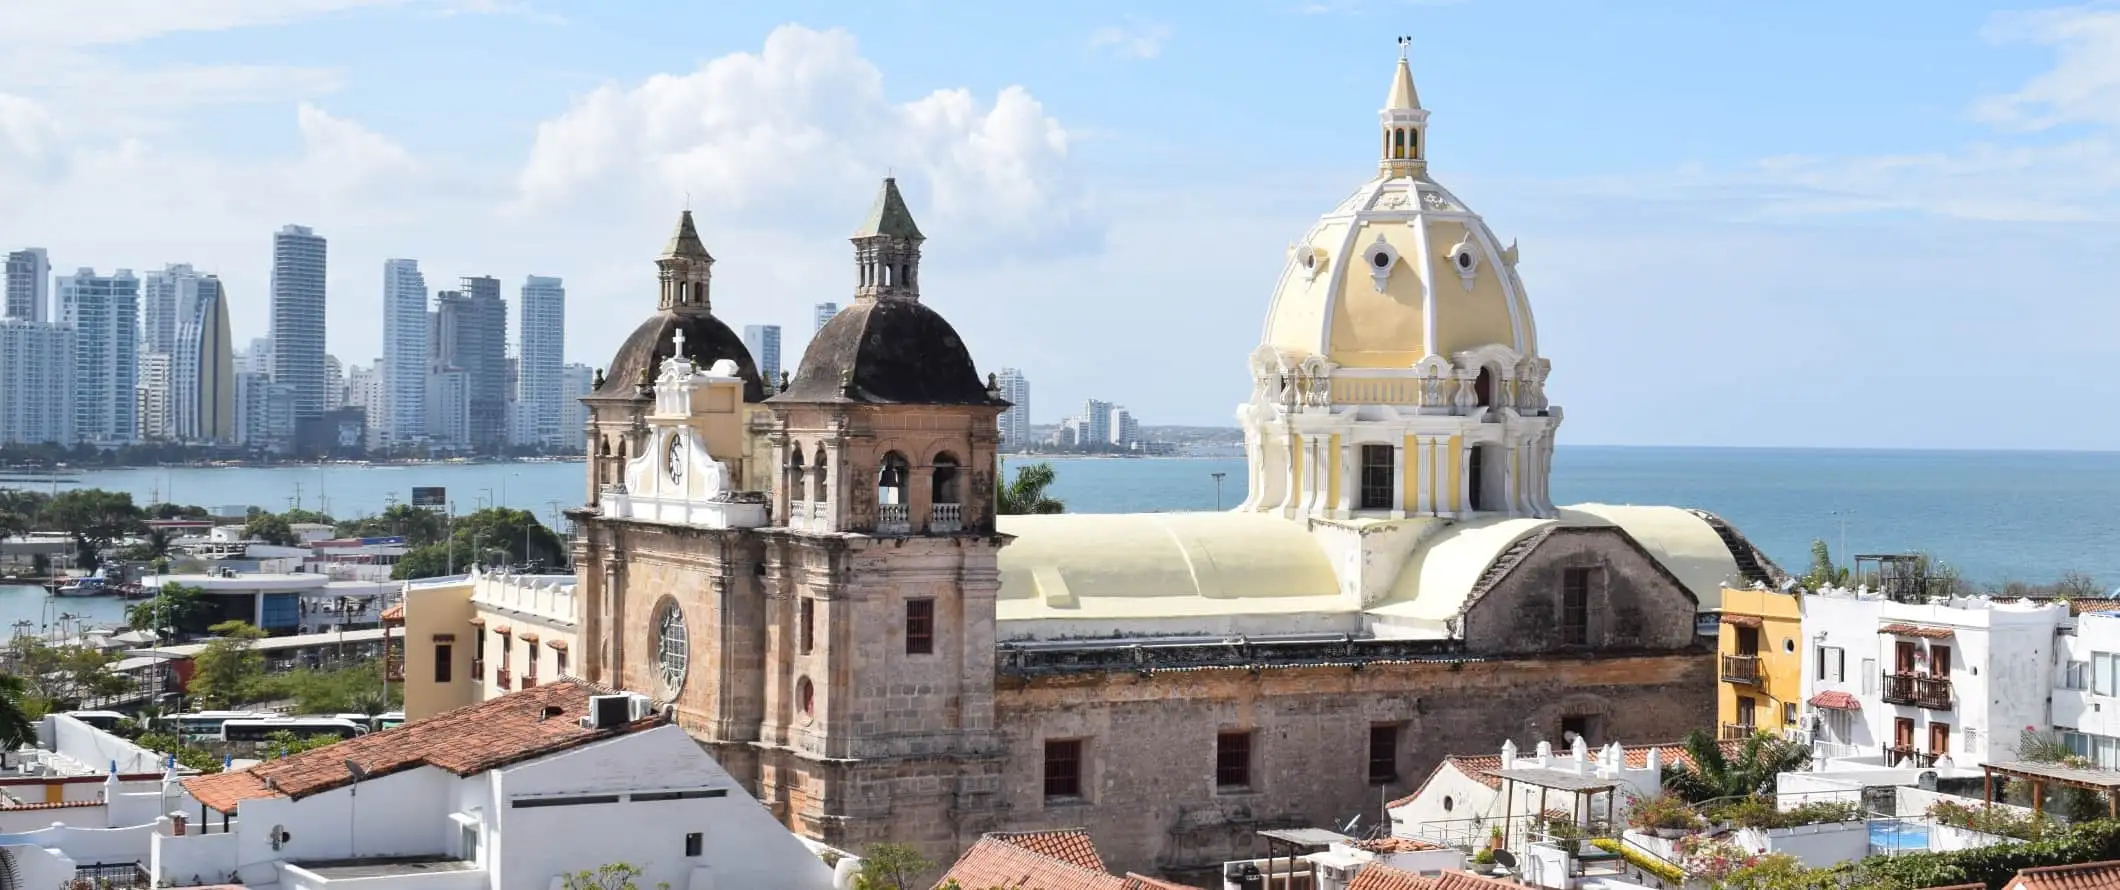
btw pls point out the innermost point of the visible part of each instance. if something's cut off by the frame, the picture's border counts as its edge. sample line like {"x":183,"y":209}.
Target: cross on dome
{"x":677,"y":343}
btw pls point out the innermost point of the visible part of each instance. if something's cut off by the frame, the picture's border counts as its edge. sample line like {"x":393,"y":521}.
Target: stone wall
{"x":1634,"y":602}
{"x":1150,"y":799}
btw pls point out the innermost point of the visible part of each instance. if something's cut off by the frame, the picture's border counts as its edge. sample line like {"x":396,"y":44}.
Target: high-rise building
{"x":298,"y":262}
{"x":36,"y":370}
{"x":104,"y":311}
{"x":364,"y":392}
{"x":1124,"y":430}
{"x":25,"y":285}
{"x":763,"y":342}
{"x":1016,"y":421}
{"x":1094,"y":425}
{"x":167,"y":298}
{"x":542,"y":335}
{"x":474,"y":339}
{"x":257,"y":359}
{"x":574,"y":383}
{"x":202,"y":369}
{"x":825,"y":311}
{"x":264,"y":416}
{"x":334,"y":383}
{"x":402,"y":418}
{"x":152,"y":397}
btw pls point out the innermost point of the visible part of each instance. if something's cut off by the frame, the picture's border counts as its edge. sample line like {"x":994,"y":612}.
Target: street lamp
{"x":1218,"y":490}
{"x":1843,"y":515}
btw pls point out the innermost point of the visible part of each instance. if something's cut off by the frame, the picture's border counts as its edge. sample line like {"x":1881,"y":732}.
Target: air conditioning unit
{"x":642,"y":708}
{"x":607,"y":711}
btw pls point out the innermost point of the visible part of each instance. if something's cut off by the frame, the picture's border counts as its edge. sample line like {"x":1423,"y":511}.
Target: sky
{"x":1884,"y":224}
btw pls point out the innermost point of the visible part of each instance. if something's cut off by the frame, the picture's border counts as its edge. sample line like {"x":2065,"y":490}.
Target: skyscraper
{"x":1016,"y":421}
{"x":479,"y":345}
{"x":167,"y":298}
{"x":763,"y":342}
{"x":334,"y":383}
{"x":151,"y":398}
{"x":258,"y":358}
{"x":36,"y":368}
{"x":25,"y":285}
{"x":202,"y":369}
{"x":104,"y":312}
{"x":574,"y":383}
{"x":298,"y":261}
{"x":403,"y":371}
{"x":825,"y":311}
{"x":542,"y":333}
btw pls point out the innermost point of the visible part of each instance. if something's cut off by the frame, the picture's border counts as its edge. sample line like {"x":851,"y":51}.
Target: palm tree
{"x":1713,"y":775}
{"x":16,"y":729}
{"x":1027,"y":493}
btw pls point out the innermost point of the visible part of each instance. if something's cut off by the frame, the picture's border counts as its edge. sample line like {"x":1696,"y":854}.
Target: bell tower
{"x":685,"y":270}
{"x":1404,"y":123}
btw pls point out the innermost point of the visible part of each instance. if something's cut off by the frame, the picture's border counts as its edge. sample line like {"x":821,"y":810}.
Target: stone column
{"x":1399,"y":475}
{"x":1350,"y":465}
{"x":1465,"y":478}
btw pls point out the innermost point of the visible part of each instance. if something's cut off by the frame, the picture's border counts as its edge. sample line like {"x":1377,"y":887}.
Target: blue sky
{"x":1885,"y":224}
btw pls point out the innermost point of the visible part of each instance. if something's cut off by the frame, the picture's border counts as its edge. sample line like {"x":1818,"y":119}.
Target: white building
{"x":258,"y":358}
{"x":2086,"y":680}
{"x":1016,"y":421}
{"x":25,"y":285}
{"x":542,"y":335}
{"x":167,"y":298}
{"x":364,"y":390}
{"x":1464,"y":798}
{"x":104,"y":311}
{"x":823,"y":313}
{"x":1125,"y":430}
{"x":298,"y":262}
{"x":155,"y":397}
{"x":513,"y":793}
{"x":405,"y":353}
{"x":1952,"y":681}
{"x":264,"y":415}
{"x":763,"y":342}
{"x":575,"y":380}
{"x":36,"y":378}
{"x":449,"y":408}
{"x":202,"y":370}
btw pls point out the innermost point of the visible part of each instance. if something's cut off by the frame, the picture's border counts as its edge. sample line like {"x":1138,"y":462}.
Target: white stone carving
{"x":1464,"y":259}
{"x":1381,"y":257}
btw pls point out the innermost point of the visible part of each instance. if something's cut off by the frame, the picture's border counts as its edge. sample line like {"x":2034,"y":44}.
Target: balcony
{"x":1738,"y":732}
{"x":1933,"y":693}
{"x":945,"y":519}
{"x":504,"y":679}
{"x":1919,"y":759}
{"x":894,"y":519}
{"x":394,"y":671}
{"x":529,"y":681}
{"x":478,"y":668}
{"x":1741,"y":669}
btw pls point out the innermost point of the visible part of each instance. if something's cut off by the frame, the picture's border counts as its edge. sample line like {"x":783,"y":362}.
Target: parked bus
{"x":261,"y":729}
{"x":103,"y":720}
{"x":389,"y":720}
{"x":199,"y":725}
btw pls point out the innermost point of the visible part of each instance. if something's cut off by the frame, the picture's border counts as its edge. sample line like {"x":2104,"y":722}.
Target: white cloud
{"x":803,"y":125}
{"x":2084,"y":84}
{"x":1137,"y":37}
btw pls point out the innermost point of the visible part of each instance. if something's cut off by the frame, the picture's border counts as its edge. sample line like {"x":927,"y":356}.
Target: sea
{"x":1992,"y":515}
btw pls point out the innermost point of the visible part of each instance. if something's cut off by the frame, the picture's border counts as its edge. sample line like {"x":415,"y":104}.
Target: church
{"x":811,"y":574}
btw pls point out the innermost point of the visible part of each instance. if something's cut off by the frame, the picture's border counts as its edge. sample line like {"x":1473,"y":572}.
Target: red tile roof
{"x":2081,"y":876}
{"x":1394,"y":845}
{"x":470,"y":740}
{"x":1483,"y":766}
{"x":394,"y":613}
{"x":1837,"y":700}
{"x":1042,"y":860}
{"x":1916,"y":630}
{"x":1377,"y":876}
{"x":46,"y":805}
{"x":1460,"y":880}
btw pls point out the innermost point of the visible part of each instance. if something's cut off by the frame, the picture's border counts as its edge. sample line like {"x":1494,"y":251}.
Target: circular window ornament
{"x":1466,"y":261}
{"x":673,"y":648}
{"x":1380,"y":259}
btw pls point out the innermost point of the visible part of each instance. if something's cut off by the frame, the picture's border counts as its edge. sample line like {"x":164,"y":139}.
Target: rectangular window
{"x":919,"y":627}
{"x":1748,"y":641}
{"x":1832,"y":663}
{"x":1788,"y":713}
{"x":695,"y":843}
{"x":2102,"y":673}
{"x":1379,"y":472}
{"x":808,"y":631}
{"x":1233,"y":760}
{"x":1939,"y":738}
{"x":1383,"y":753}
{"x":1575,"y":606}
{"x":559,"y":662}
{"x":443,"y":653}
{"x":1940,"y":661}
{"x":1063,"y":768}
{"x":1574,"y":727}
{"x":2077,"y":676}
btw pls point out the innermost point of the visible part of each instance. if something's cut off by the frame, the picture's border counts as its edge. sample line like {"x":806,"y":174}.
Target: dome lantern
{"x":1404,"y":123}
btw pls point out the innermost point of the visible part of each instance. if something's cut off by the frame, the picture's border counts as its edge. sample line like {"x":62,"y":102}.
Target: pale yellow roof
{"x":1402,"y":92}
{"x":1155,"y":565}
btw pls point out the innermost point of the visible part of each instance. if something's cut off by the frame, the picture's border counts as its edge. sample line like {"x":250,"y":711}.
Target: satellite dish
{"x":1505,"y":859}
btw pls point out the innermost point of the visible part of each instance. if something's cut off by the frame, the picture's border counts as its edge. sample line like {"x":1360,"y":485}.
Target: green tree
{"x":166,"y":510}
{"x":169,"y":743}
{"x":227,"y":669}
{"x":315,"y":517}
{"x":355,"y":688}
{"x":62,"y":677}
{"x":431,"y":561}
{"x":500,"y":534}
{"x":1823,"y":572}
{"x":270,"y":528}
{"x":1713,"y":776}
{"x":16,"y":727}
{"x":419,"y":525}
{"x":891,"y":867}
{"x":287,"y":744}
{"x":175,"y":610}
{"x":615,"y":876}
{"x":95,"y":518}
{"x":1026,"y":493}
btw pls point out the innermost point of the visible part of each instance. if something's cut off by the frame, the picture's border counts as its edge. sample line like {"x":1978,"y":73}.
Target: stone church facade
{"x":812,"y":573}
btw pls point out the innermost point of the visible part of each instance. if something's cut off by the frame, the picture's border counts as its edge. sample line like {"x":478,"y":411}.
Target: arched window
{"x":944,"y":489}
{"x":798,"y":478}
{"x":1483,"y":388}
{"x":1398,"y":143}
{"x":817,"y":469}
{"x":891,"y":479}
{"x":673,"y":650}
{"x":1413,"y":143}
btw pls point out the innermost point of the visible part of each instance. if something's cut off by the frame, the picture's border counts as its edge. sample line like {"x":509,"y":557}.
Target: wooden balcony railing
{"x":1894,"y":754}
{"x":1741,"y":669}
{"x":1738,"y":732}
{"x":478,"y":669}
{"x":503,"y":678}
{"x":1933,"y":693}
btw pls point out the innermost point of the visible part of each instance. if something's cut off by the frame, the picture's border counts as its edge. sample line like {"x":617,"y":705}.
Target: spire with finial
{"x":1405,"y":123}
{"x":887,"y":249}
{"x":685,"y":269}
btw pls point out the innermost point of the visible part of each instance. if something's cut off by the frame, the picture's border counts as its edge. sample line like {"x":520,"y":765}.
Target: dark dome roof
{"x":707,"y":341}
{"x":888,"y":352}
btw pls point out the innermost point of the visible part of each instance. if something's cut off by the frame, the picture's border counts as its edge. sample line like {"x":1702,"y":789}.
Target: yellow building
{"x":480,"y":636}
{"x":1760,"y":662}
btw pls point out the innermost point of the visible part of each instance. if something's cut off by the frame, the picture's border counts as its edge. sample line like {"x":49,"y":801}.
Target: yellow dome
{"x":1402,"y":269}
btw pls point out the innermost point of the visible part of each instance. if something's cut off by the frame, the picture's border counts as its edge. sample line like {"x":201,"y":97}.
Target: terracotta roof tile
{"x":1461,"y":880}
{"x":1072,"y":846}
{"x":1144,"y":882}
{"x":1959,"y":887}
{"x":466,"y":741}
{"x":1836,"y":699}
{"x":1378,"y":876}
{"x":60,"y":805}
{"x":394,"y":613}
{"x":1481,"y":767}
{"x":1916,"y":630}
{"x":1395,"y":845}
{"x":2081,"y":876}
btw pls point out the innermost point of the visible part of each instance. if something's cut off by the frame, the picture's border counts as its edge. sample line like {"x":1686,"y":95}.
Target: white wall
{"x":95,"y":748}
{"x":14,"y":821}
{"x":40,"y":867}
{"x":1468,"y":798}
{"x":1816,"y":846}
{"x":207,"y":857}
{"x":92,"y":845}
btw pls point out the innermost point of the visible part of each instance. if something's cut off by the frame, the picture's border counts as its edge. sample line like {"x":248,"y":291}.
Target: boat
{"x":93,"y":585}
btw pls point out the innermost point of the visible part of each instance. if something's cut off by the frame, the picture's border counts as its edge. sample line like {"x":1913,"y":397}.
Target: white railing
{"x":893,"y":519}
{"x":816,"y":509}
{"x":945,"y":519}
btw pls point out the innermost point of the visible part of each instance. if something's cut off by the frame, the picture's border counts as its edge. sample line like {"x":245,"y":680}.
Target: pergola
{"x":1296,"y":841}
{"x":1547,"y":779}
{"x":2103,"y":781}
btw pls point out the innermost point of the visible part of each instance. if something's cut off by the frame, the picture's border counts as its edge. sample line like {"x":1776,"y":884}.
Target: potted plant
{"x":1483,"y":861}
{"x":1664,"y":815}
{"x":1565,"y":834}
{"x":1495,"y":841}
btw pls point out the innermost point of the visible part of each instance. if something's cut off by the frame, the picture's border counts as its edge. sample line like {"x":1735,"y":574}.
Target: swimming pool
{"x":1898,"y":836}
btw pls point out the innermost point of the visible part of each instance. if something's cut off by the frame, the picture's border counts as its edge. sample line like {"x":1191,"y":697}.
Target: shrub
{"x":1760,"y":812}
{"x":2004,"y":821}
{"x":1662,"y":812}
